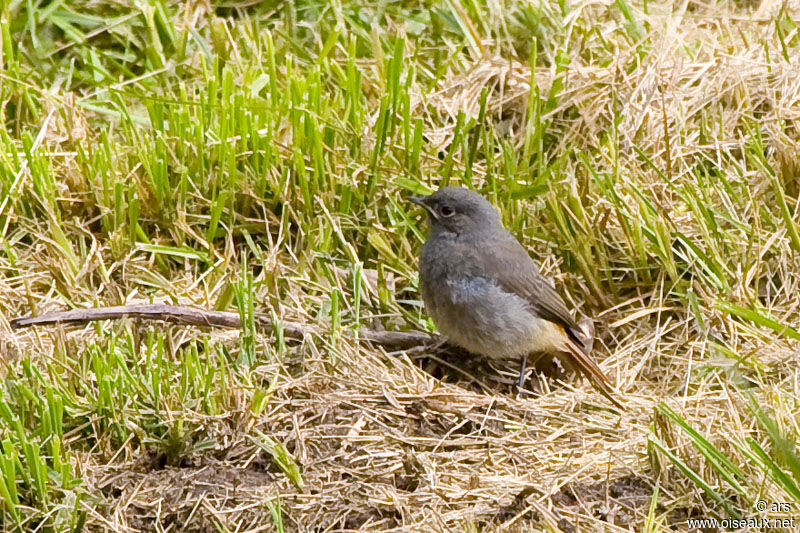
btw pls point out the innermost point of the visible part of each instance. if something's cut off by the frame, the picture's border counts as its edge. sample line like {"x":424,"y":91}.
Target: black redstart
{"x":487,"y":295}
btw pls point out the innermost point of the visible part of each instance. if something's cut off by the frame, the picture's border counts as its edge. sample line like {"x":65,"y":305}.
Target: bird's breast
{"x":477,"y":314}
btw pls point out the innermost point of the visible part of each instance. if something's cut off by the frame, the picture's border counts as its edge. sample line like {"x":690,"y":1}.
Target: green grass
{"x":257,"y":157}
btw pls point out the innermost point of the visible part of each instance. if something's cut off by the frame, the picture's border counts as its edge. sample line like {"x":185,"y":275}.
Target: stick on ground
{"x":206,"y":317}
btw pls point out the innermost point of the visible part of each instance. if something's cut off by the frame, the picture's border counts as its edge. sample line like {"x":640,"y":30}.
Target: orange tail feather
{"x":589,"y":368}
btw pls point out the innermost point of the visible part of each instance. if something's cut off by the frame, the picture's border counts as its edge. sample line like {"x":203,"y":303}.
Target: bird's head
{"x":458,"y":210}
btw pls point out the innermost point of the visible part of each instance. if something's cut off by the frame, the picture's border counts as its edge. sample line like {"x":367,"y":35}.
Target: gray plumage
{"x":484,"y":291}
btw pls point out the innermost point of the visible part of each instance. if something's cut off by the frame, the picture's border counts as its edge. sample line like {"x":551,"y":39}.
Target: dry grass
{"x":653,"y":172}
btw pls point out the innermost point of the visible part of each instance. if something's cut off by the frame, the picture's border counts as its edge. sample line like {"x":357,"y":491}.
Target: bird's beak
{"x":422,"y":200}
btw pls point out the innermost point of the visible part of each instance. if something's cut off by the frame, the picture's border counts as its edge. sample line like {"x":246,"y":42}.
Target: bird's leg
{"x":522,"y":372}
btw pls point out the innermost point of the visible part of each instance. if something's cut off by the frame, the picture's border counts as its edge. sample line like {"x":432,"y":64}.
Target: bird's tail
{"x":586,"y":365}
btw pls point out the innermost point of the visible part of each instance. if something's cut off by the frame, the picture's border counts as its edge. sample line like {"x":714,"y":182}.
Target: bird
{"x":487,"y":296}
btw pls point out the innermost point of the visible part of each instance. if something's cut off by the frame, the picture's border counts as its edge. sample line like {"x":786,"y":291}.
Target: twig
{"x":206,"y":317}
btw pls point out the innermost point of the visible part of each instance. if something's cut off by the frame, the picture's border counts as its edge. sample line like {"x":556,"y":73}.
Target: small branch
{"x":401,"y":340}
{"x":206,"y":317}
{"x":167,"y":313}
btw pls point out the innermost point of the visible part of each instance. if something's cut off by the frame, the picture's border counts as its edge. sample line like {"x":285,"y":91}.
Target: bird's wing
{"x":517,"y":273}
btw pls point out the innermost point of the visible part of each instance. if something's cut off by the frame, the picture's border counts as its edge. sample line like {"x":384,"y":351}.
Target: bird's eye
{"x":447,"y":211}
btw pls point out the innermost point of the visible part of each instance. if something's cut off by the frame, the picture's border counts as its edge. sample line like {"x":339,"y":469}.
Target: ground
{"x":258,"y":157}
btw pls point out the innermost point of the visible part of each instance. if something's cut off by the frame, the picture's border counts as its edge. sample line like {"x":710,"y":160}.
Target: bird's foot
{"x":523,"y":377}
